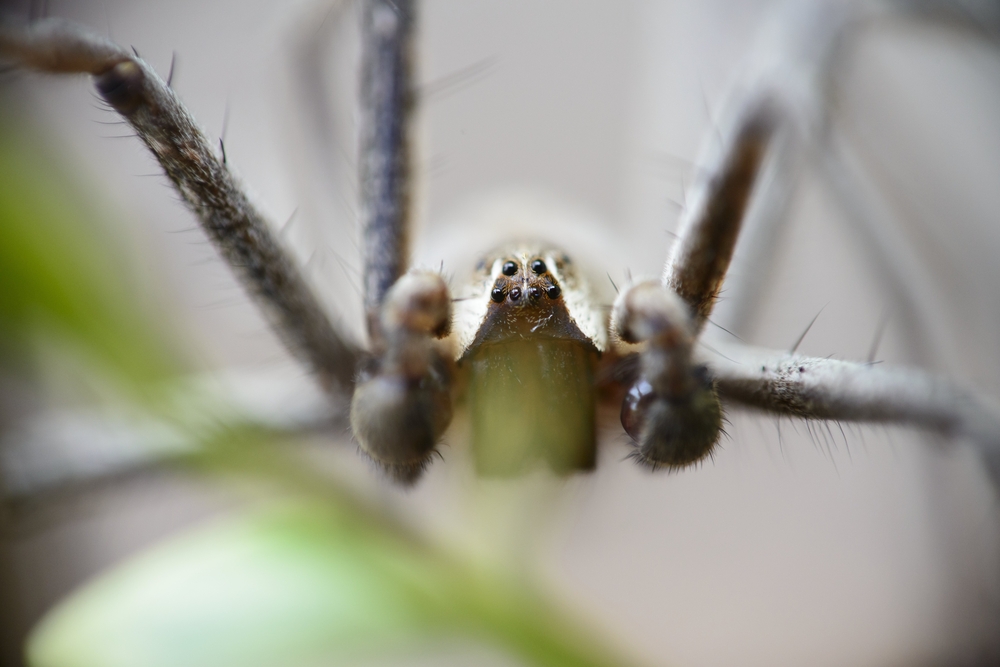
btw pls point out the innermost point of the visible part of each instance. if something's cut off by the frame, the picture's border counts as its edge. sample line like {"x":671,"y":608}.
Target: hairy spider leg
{"x":402,"y":402}
{"x":672,"y":410}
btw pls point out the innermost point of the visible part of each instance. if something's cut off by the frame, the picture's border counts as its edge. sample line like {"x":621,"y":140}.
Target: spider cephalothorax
{"x":526,"y":290}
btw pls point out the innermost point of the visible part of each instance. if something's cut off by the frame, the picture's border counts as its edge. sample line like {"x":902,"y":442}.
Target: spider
{"x":407,"y":467}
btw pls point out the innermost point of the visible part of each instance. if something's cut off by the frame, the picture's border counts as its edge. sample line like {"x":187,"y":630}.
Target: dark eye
{"x":509,"y":268}
{"x":497,"y":294}
{"x":553,"y":291}
{"x":515,"y":294}
{"x":534,"y":293}
{"x":538,"y":266}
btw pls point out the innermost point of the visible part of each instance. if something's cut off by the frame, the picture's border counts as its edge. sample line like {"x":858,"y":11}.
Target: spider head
{"x":527,"y":291}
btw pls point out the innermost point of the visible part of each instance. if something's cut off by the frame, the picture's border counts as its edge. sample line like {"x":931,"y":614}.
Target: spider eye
{"x":515,"y":294}
{"x":509,"y":268}
{"x":538,"y":266}
{"x":497,"y":294}
{"x":553,"y":291}
{"x":534,"y":293}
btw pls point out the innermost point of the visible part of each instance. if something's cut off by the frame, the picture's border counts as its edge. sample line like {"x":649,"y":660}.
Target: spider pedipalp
{"x":402,"y":400}
{"x":672,"y":410}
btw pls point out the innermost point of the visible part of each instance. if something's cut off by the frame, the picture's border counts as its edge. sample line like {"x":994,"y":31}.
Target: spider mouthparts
{"x":531,"y":400}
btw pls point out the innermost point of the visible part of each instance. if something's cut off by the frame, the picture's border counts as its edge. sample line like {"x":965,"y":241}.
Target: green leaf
{"x":275,"y":588}
{"x":299,"y":585}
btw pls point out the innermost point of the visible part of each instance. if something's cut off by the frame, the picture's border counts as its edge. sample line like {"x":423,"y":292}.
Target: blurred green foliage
{"x":297,"y":585}
{"x":60,"y":275}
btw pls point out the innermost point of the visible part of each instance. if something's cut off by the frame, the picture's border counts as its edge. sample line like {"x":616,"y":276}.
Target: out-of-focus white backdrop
{"x":873,"y":547}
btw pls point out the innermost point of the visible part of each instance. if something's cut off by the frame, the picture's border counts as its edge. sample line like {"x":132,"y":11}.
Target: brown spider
{"x":406,"y":354}
{"x":527,"y":310}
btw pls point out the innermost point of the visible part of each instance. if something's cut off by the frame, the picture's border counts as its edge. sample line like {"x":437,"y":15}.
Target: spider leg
{"x":793,"y":66}
{"x":704,"y":247}
{"x":776,"y":381}
{"x":402,"y":403}
{"x":673,"y":411}
{"x":801,"y":66}
{"x":813,"y":388}
{"x":781,"y":99}
{"x":237,"y":229}
{"x":766,"y":220}
{"x":387,"y":93}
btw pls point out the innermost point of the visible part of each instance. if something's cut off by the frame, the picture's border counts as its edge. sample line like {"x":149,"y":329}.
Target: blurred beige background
{"x":877,"y":547}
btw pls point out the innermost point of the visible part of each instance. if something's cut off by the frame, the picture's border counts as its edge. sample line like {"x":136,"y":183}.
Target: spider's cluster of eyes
{"x":541,"y":282}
